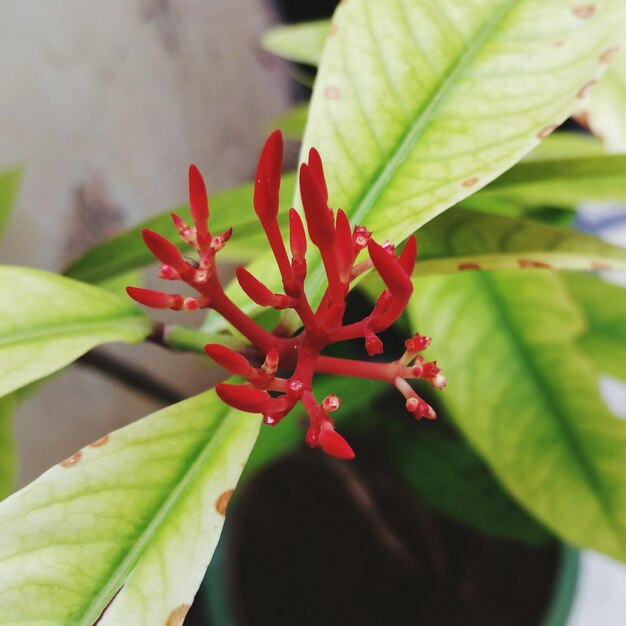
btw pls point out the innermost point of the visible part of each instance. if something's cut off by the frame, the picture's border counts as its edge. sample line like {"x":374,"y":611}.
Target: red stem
{"x":258,"y":336}
{"x":277,"y":244}
{"x":361,"y":369}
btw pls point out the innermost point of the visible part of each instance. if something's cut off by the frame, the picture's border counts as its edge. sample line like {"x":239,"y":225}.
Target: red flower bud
{"x":259,"y":293}
{"x":186,"y":233}
{"x":167,"y":272}
{"x":230,"y":360}
{"x":317,"y":169}
{"x":319,"y":217}
{"x":297,"y":236}
{"x":199,"y":205}
{"x":417,"y":343}
{"x":244,"y":398}
{"x":155,"y":299}
{"x":390,"y":270}
{"x":344,"y":249}
{"x":408,"y":255}
{"x":165,"y":251}
{"x":334,"y":444}
{"x":360,"y":238}
{"x":267,"y":182}
{"x":430,"y":370}
{"x":330,"y":403}
{"x":420,"y":409}
{"x":190,"y":304}
{"x":270,"y":365}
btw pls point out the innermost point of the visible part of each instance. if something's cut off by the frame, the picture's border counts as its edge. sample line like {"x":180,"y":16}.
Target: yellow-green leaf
{"x":137,"y":514}
{"x":48,"y":321}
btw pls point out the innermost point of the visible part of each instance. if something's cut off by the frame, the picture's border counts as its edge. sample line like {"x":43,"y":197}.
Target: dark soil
{"x":317,"y":541}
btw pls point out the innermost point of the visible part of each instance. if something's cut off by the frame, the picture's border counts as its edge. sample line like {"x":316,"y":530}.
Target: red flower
{"x":299,"y":356}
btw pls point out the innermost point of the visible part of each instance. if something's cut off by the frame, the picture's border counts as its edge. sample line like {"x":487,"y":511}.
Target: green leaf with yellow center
{"x":526,"y":397}
{"x":48,"y":321}
{"x":131,"y":520}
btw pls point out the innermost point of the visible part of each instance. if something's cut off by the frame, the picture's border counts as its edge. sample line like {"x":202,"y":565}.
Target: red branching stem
{"x":284,"y":365}
{"x":254,"y":333}
{"x":362,"y":369}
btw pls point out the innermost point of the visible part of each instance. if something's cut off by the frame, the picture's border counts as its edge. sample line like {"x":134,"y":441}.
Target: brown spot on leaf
{"x":547,"y":130}
{"x":72,"y":460}
{"x":98,"y":443}
{"x":333,"y":29}
{"x":332,"y":93}
{"x":584,"y":12}
{"x":607,"y":55}
{"x":599,"y":265}
{"x":221,"y":504}
{"x":559,"y":43}
{"x":177,"y":616}
{"x":470,"y":182}
{"x":529,"y":263}
{"x":585,"y":89}
{"x":469,"y":266}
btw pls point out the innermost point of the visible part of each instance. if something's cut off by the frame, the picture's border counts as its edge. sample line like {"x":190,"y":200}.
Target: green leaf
{"x":302,"y":42}
{"x":562,"y":182}
{"x":605,"y":108}
{"x":47,"y":321}
{"x":526,"y":398}
{"x":410,"y":124}
{"x":467,"y":240}
{"x":452,"y":479}
{"x":9,"y":186}
{"x":566,"y":145}
{"x":140,"y":510}
{"x":7,"y":446}
{"x":228,"y":208}
{"x":604,"y":306}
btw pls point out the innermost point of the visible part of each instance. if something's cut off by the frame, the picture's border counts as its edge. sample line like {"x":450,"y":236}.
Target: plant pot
{"x":241,"y":577}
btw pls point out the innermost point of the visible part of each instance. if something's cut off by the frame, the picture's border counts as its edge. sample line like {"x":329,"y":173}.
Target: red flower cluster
{"x":300,"y":356}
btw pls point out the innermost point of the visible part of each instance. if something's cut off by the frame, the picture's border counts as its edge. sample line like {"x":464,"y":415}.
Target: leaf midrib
{"x":426,"y":113}
{"x":594,"y":481}
{"x":424,"y":116}
{"x":124,"y":569}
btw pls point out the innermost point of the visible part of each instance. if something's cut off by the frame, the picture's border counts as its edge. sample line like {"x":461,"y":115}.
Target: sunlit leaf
{"x":526,"y":397}
{"x":468,"y":240}
{"x":562,"y":182}
{"x":137,"y":513}
{"x":604,"y":306}
{"x":418,"y":104}
{"x":47,"y":321}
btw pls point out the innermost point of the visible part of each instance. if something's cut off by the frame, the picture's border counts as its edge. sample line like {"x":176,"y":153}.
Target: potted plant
{"x":429,"y":125}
